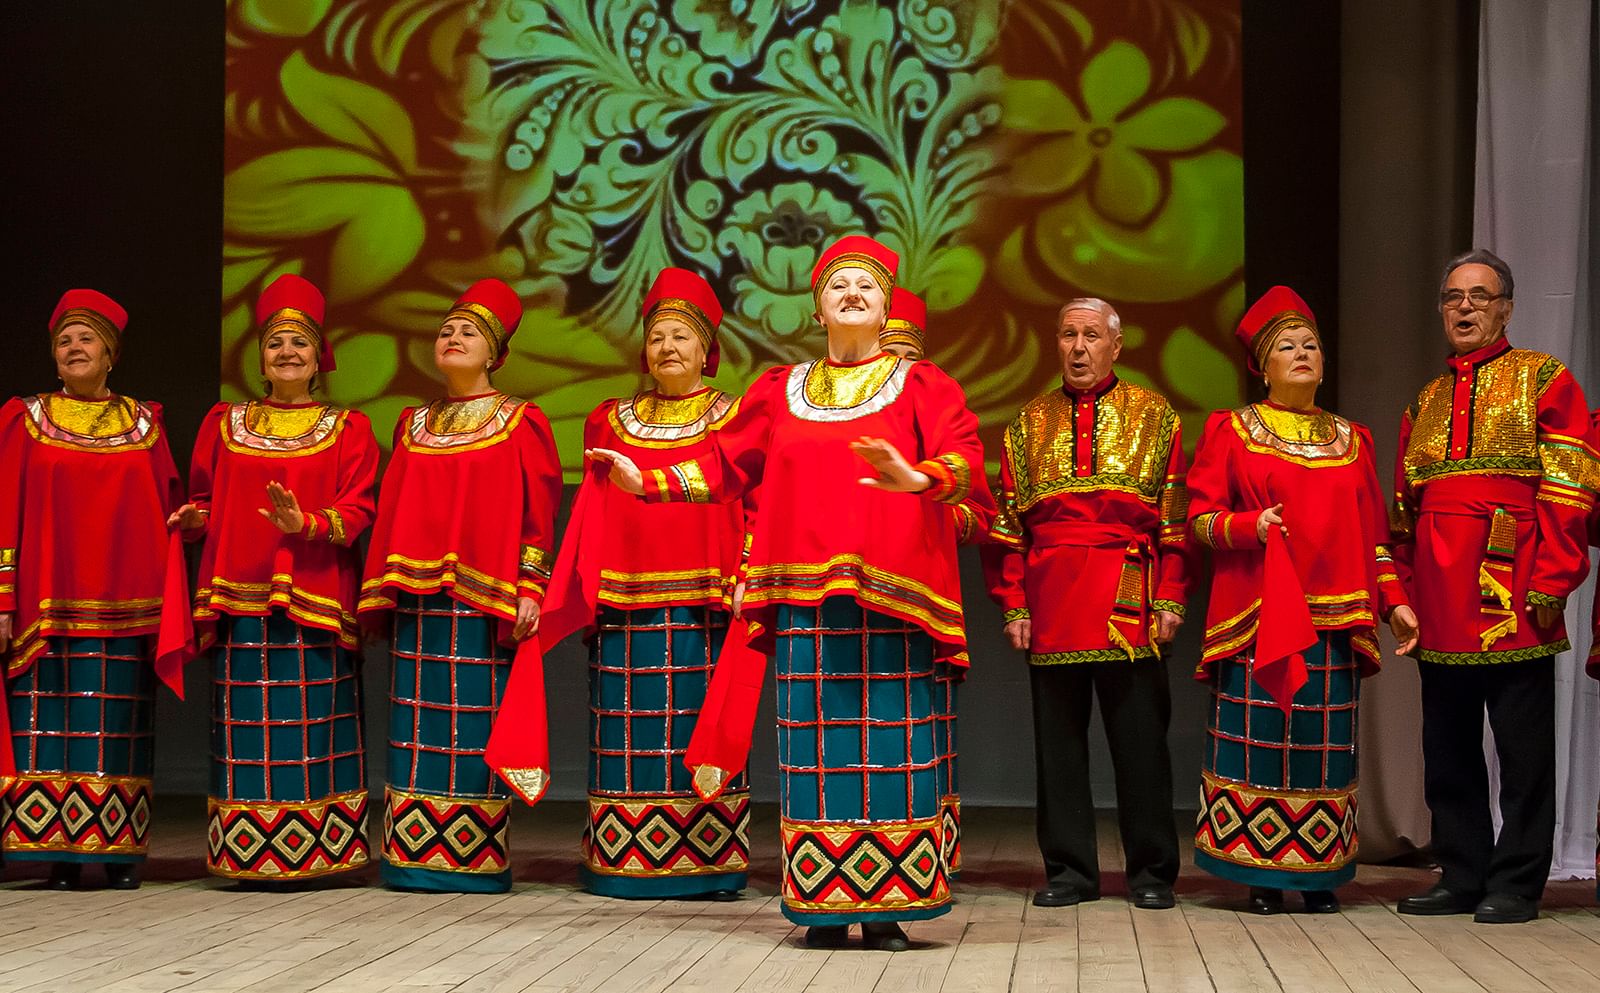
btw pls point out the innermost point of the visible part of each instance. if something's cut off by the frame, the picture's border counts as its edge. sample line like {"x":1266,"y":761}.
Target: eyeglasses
{"x":1478,"y":296}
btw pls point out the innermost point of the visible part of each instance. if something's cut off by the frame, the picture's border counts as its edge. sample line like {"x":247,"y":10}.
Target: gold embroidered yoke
{"x":1101,"y":469}
{"x":1497,"y":456}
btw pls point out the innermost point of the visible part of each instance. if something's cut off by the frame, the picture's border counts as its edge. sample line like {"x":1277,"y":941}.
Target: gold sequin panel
{"x":817,"y":391}
{"x":119,"y":422}
{"x":462,"y":424}
{"x":1505,"y":394}
{"x":262,"y":428}
{"x":1132,"y":435}
{"x":1312,"y":439}
{"x":655,"y":421}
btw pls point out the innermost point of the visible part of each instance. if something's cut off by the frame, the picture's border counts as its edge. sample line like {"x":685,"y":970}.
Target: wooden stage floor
{"x":184,"y":931}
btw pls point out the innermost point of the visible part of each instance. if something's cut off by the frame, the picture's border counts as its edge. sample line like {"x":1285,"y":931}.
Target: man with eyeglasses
{"x":1495,"y":480}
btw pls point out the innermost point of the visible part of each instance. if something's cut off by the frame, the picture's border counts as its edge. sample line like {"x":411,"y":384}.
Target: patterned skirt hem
{"x":674,"y":887}
{"x":63,"y":817}
{"x":1278,"y":879}
{"x":811,"y":918}
{"x":422,"y":880}
{"x":287,"y":841}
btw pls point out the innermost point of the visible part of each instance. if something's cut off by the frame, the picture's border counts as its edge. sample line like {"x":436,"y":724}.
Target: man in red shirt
{"x":1091,"y":564}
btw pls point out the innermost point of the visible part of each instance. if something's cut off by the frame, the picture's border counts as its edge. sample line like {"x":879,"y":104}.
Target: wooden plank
{"x":1298,"y":965}
{"x":1551,"y":964}
{"x":787,"y":968}
{"x":527,"y":967}
{"x":731,"y":961}
{"x":1404,"y":942}
{"x":1232,"y":959}
{"x":985,"y":957}
{"x":659,"y":968}
{"x":1109,"y":962}
{"x":1168,"y":952}
{"x":933,"y":949}
{"x":1047,"y":956}
{"x":1362,"y":964}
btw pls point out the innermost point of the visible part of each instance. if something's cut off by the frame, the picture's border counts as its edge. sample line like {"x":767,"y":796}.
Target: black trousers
{"x":1136,"y":708}
{"x":1521,"y":702}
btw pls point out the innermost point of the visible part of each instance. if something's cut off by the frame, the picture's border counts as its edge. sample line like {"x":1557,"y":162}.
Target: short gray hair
{"x":1479,"y":256}
{"x":1099,"y":306}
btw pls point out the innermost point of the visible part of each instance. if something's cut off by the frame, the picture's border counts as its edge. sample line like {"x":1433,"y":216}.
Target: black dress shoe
{"x":883,"y":936}
{"x":1505,"y":908}
{"x":723,"y":896}
{"x":1265,"y":901}
{"x":1152,"y":898}
{"x":64,"y":875}
{"x":1321,"y":901}
{"x":122,"y":875}
{"x":1438,"y":902}
{"x":827,"y":935}
{"x":1062,"y":896}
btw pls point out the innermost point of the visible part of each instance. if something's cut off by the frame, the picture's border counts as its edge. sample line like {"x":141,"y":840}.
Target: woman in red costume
{"x":858,"y":457}
{"x":86,"y":484}
{"x":1287,"y":497}
{"x":460,"y":557}
{"x":279,"y":490}
{"x":652,"y":585}
{"x":905,"y":334}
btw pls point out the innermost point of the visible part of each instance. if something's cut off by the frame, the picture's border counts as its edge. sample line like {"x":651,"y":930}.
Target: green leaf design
{"x":299,"y":192}
{"x":283,"y":18}
{"x":367,"y":364}
{"x":1198,"y":372}
{"x":351,"y":113}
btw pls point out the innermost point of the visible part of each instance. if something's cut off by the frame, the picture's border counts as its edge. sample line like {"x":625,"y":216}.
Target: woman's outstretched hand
{"x":895,"y":474}
{"x":624,"y":473}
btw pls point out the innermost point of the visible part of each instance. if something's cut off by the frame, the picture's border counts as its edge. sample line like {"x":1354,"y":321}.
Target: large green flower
{"x":1108,"y":133}
{"x":778,"y":234}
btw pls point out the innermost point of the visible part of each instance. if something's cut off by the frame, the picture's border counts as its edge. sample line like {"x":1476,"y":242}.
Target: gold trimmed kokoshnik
{"x":854,"y":260}
{"x":292,"y":319}
{"x":687,"y":312}
{"x":97,"y":323}
{"x":485,"y":320}
{"x":899,"y":331}
{"x":1289,"y":319}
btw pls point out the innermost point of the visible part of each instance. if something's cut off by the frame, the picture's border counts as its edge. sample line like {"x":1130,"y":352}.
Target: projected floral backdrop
{"x":1016,"y":154}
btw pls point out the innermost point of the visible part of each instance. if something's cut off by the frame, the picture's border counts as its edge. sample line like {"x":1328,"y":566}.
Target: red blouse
{"x":328,"y":458}
{"x":85,"y":490}
{"x":634,"y":555}
{"x":468,"y":506}
{"x":819,"y":532}
{"x":1320,"y":467}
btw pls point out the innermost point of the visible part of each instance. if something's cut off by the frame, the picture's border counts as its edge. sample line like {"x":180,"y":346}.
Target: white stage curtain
{"x":1535,"y":206}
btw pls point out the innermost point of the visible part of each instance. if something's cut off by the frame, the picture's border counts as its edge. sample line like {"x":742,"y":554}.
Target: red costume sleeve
{"x":168,"y":482}
{"x":1179,"y":554}
{"x":1002,"y":555}
{"x":738,"y":452}
{"x":1566,"y":493}
{"x":1376,"y":520}
{"x":12,"y":435}
{"x":356,"y":503}
{"x":201,"y":464}
{"x":949,"y":434}
{"x":1402,"y":510}
{"x":541,"y":496}
{"x":1212,"y":519}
